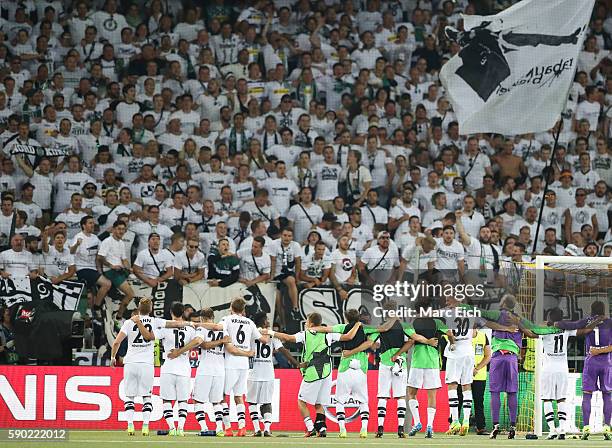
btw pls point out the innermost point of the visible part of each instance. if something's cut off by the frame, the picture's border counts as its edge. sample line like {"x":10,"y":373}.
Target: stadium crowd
{"x":305,"y":142}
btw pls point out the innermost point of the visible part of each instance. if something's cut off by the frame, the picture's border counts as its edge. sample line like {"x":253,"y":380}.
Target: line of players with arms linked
{"x":235,"y":359}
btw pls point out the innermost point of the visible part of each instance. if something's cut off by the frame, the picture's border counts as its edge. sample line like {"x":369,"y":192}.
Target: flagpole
{"x":547,"y":175}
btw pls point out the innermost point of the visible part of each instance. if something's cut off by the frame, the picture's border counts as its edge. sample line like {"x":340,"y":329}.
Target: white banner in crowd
{"x":515,"y":68}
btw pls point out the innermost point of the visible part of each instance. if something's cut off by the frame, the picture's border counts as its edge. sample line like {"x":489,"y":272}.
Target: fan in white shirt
{"x":304,"y":215}
{"x":343,"y":273}
{"x":379,"y":263}
{"x":153,"y":266}
{"x":471,"y":219}
{"x":110,"y":23}
{"x":190,"y":265}
{"x":286,"y":151}
{"x":59,"y":262}
{"x":328,"y":175}
{"x":16,"y":263}
{"x":188,"y":118}
{"x":401,"y":213}
{"x":255,"y":263}
{"x":281,"y":189}
{"x":450,"y":258}
{"x":371,"y":212}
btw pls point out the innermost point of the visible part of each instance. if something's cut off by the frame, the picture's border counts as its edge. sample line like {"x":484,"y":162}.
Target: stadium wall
{"x":91,"y":398}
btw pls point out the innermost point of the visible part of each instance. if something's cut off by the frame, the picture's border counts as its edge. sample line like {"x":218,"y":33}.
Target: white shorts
{"x":352,"y":383}
{"x":236,"y":381}
{"x":424,"y":378}
{"x":553,"y":385}
{"x":174,"y":387}
{"x":208,"y":389}
{"x":317,"y":392}
{"x":460,"y":370}
{"x":138,"y":379}
{"x":260,"y":392}
{"x":390,"y":385}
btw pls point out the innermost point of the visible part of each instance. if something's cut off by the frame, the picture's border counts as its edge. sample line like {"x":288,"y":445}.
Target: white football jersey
{"x":211,"y":361}
{"x":462,"y":327}
{"x":554,"y":347}
{"x":175,"y":338}
{"x":242,"y":332}
{"x":263,"y":366}
{"x":139,"y":349}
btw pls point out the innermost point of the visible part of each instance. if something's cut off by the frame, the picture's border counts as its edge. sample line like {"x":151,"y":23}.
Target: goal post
{"x":571,"y":272}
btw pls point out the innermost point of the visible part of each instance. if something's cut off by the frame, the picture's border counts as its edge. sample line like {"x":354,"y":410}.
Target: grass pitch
{"x":119,"y":439}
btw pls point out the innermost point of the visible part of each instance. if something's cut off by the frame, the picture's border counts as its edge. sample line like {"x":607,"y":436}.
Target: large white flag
{"x":515,"y":68}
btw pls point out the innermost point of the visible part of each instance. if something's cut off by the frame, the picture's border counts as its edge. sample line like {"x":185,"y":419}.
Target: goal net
{"x":571,"y":284}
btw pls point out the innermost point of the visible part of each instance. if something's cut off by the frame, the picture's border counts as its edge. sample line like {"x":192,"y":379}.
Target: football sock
{"x":182,"y":414}
{"x":453,"y":404}
{"x":226,"y":419}
{"x":586,"y":408}
{"x":512,"y":407}
{"x":382,"y":411}
{"x":200,"y":416}
{"x":401,"y":412}
{"x":147,"y":408}
{"x":549,"y":415}
{"x":267,"y":421}
{"x":414,"y":410}
{"x":129,"y":410}
{"x":364,"y":410}
{"x":266,"y":411}
{"x":320,"y":423}
{"x":495,"y":407}
{"x":169,"y":414}
{"x":431,"y":415}
{"x":254,"y":414}
{"x":240,"y":411}
{"x":308,"y":423}
{"x":467,"y":406}
{"x":562,"y":414}
{"x":218,"y":416}
{"x":340,"y":416}
{"x":607,"y":406}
